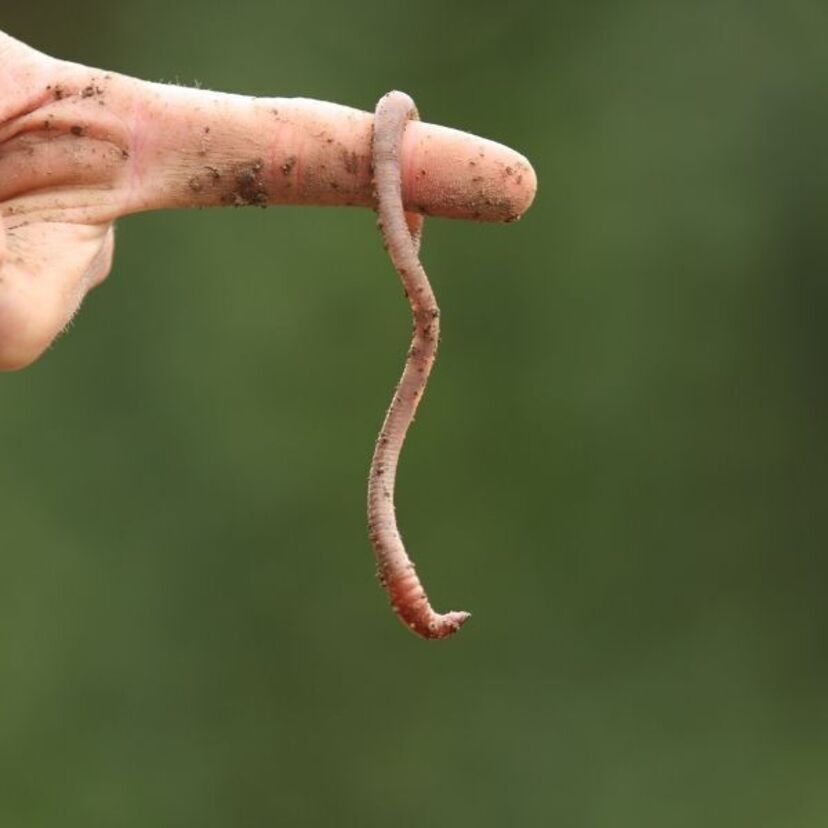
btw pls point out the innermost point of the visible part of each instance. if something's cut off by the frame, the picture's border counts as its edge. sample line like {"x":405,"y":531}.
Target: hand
{"x":80,"y":147}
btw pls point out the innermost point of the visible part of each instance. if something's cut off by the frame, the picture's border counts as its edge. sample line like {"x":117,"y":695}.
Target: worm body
{"x":402,"y":232}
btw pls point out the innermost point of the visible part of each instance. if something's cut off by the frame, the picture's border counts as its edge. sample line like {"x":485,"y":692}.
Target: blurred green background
{"x":621,"y":467}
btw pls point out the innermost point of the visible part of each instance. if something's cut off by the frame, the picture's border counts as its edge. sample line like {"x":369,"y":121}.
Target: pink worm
{"x":402,"y":232}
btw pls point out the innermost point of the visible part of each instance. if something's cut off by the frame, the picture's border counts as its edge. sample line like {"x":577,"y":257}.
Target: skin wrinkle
{"x":296,"y":173}
{"x":408,"y":181}
{"x":19,"y":71}
{"x":276,"y":139}
{"x":137,"y":141}
{"x":11,"y":126}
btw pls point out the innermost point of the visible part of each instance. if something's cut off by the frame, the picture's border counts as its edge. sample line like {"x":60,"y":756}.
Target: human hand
{"x":80,"y":147}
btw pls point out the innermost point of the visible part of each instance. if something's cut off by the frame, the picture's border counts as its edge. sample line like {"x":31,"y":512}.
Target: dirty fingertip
{"x":460,"y":175}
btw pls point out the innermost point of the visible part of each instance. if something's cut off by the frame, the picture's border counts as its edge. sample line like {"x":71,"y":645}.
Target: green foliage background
{"x":621,"y":467}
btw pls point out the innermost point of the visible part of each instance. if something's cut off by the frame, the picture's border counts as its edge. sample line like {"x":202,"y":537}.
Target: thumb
{"x":46,"y":268}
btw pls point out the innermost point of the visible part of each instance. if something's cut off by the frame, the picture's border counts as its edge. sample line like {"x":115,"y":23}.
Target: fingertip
{"x":459,"y":175}
{"x":522,"y":184}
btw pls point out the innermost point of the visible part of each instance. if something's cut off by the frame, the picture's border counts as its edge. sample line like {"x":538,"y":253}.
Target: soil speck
{"x":249,"y":189}
{"x":350,"y":161}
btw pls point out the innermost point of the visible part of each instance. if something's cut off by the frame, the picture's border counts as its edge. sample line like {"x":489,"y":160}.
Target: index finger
{"x":180,"y":147}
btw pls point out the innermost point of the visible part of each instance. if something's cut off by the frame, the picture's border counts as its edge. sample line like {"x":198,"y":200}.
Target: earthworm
{"x":402,"y":233}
